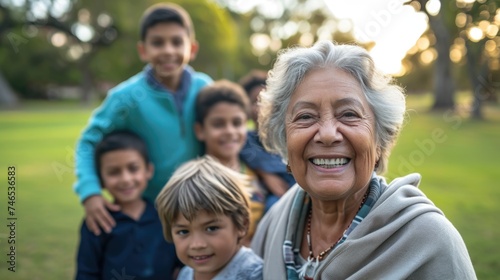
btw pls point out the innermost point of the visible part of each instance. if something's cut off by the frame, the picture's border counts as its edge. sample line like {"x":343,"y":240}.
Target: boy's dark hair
{"x":220,"y":91}
{"x":165,"y":13}
{"x":117,"y":141}
{"x":253,"y":79}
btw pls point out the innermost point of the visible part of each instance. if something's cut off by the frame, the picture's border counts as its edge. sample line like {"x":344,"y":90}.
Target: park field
{"x":458,"y":158}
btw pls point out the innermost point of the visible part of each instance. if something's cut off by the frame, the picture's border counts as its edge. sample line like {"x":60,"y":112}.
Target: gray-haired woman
{"x":335,"y":118}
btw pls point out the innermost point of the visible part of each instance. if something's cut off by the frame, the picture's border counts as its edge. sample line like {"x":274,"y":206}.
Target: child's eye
{"x":113,"y":172}
{"x":212,"y":228}
{"x":237,"y":122}
{"x":177,"y":42}
{"x":157,"y":43}
{"x":133,"y":168}
{"x":219,"y":124}
{"x":182,"y":232}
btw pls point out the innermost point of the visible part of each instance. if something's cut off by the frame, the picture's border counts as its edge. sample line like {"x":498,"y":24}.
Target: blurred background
{"x":58,"y":59}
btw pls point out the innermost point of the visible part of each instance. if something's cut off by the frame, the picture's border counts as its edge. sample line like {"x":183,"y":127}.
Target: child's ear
{"x":243,"y":232}
{"x":141,"y":50}
{"x":150,"y":170}
{"x":199,"y":131}
{"x":194,"y":50}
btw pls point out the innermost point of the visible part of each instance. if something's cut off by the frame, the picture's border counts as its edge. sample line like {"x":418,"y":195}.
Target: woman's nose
{"x":328,"y":132}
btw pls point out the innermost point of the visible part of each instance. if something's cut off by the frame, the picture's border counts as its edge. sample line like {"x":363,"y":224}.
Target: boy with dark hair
{"x":221,"y":117}
{"x":135,"y":247}
{"x":269,"y":167}
{"x":156,"y":103}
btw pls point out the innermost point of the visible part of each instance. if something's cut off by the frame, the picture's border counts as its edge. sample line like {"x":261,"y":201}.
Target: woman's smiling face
{"x":330,"y":132}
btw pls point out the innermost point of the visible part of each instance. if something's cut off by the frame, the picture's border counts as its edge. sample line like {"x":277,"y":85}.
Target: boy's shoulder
{"x":200,"y":79}
{"x":129,"y":84}
{"x":251,"y":265}
{"x":244,"y":265}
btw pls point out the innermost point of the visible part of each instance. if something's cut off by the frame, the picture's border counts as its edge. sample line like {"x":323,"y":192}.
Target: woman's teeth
{"x":330,"y":162}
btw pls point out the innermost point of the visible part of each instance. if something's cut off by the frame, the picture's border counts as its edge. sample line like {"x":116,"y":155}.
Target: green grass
{"x":459,"y":168}
{"x":39,"y":141}
{"x":460,"y":171}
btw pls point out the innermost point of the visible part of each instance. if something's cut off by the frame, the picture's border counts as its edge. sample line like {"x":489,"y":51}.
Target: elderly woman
{"x":335,"y":118}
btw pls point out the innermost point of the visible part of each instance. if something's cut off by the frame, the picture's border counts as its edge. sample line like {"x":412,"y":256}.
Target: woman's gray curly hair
{"x":386,"y":100}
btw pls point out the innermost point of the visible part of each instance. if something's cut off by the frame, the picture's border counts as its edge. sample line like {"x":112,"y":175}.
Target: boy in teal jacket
{"x":157,"y":104}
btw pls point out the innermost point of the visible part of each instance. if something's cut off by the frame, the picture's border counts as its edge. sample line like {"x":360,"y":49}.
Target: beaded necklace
{"x":308,"y":270}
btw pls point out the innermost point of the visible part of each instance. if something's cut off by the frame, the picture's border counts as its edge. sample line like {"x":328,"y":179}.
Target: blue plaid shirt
{"x":181,"y":92}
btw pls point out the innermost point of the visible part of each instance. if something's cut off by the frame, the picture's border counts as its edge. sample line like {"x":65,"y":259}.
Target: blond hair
{"x":203,"y":184}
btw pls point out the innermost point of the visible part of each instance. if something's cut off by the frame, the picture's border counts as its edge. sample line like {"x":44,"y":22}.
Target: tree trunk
{"x":86,"y":82}
{"x":474,"y":82}
{"x":7,"y":97}
{"x":444,"y":86}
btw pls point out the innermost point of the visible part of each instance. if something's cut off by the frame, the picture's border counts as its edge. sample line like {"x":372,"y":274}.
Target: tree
{"x":444,"y":85}
{"x":69,"y":29}
{"x":271,"y":25}
{"x":465,"y":31}
{"x":94,"y":42}
{"x":478,"y":31}
{"x":7,"y":96}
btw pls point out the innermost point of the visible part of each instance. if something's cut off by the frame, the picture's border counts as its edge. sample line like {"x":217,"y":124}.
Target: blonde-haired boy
{"x":204,"y":211}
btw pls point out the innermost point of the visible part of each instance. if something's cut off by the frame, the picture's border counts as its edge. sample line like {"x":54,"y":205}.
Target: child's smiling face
{"x":223,"y":130}
{"x":207,"y":243}
{"x":125,"y":174}
{"x":168,"y":48}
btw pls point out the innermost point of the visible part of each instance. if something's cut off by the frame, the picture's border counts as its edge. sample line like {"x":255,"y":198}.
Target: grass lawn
{"x":458,"y":159}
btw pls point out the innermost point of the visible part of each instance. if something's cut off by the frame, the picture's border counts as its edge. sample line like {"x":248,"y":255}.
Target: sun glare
{"x":391,"y":25}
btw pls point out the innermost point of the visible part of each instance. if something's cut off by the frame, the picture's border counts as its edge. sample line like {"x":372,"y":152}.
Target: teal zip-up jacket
{"x":152,"y":114}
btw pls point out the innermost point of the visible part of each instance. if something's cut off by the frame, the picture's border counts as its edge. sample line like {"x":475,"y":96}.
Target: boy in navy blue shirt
{"x":157,"y":104}
{"x":135,"y":248}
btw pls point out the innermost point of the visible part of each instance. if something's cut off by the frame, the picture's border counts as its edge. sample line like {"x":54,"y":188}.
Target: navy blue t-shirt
{"x":133,"y":250}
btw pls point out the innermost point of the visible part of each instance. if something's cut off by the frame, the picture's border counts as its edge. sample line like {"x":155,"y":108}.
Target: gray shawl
{"x":405,"y":236}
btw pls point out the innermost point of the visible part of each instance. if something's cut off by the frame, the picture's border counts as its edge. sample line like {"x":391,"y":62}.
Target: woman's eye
{"x":350,"y":114}
{"x":304,"y":117}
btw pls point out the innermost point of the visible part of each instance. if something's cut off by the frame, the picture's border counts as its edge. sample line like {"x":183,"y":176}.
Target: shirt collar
{"x":187,"y":73}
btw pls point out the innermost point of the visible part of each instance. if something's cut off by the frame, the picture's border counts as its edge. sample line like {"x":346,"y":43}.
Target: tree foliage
{"x":105,"y":55}
{"x":465,"y":35}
